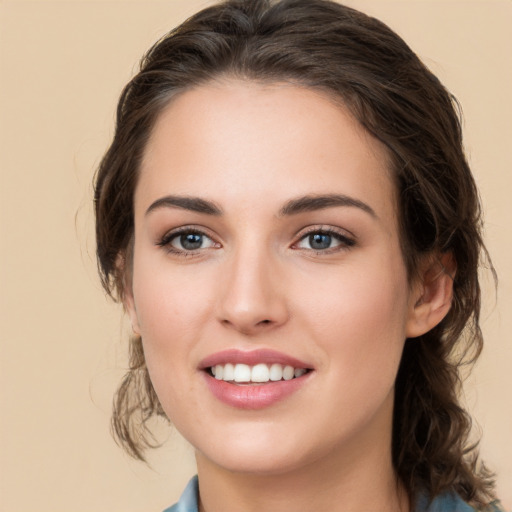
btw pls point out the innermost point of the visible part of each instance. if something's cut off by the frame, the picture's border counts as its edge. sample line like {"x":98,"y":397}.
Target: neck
{"x":354,"y":479}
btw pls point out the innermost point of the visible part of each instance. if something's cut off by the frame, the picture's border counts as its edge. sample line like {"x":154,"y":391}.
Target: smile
{"x":254,"y":379}
{"x":257,"y":374}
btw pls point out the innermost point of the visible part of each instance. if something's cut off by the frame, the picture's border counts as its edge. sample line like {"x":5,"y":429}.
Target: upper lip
{"x":251,"y":358}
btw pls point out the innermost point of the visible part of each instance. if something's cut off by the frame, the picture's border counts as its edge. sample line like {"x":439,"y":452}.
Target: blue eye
{"x":186,"y":241}
{"x":321,"y":240}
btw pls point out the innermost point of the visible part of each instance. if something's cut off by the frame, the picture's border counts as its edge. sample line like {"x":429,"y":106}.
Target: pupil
{"x":320,"y":241}
{"x":191,"y":241}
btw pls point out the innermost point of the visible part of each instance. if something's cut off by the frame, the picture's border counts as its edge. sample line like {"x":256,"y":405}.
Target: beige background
{"x":63,"y":64}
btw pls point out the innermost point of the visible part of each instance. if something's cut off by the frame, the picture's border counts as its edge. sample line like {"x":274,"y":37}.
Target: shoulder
{"x":188,"y":500}
{"x":451,"y":502}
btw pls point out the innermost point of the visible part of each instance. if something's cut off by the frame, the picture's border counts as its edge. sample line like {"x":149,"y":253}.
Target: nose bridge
{"x":252,"y":297}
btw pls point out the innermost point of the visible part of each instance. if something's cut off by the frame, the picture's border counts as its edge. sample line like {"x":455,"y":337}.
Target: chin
{"x":261,"y":453}
{"x":257,"y":462}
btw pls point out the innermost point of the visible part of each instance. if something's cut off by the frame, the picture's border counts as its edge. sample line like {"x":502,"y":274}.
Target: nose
{"x":253,"y":293}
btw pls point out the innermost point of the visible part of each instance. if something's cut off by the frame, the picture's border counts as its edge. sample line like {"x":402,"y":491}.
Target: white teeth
{"x":276,"y":372}
{"x":288,"y":372}
{"x":259,"y":373}
{"x":229,"y":372}
{"x":242,"y":373}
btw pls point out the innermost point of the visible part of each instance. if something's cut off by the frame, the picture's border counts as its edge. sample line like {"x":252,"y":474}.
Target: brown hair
{"x":321,"y":44}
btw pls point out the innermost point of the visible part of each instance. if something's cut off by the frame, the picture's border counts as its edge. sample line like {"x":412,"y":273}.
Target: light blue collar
{"x":448,"y":502}
{"x":188,"y":500}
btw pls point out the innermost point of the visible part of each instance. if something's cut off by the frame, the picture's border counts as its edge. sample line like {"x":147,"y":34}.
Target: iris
{"x":320,"y":241}
{"x":191,"y":241}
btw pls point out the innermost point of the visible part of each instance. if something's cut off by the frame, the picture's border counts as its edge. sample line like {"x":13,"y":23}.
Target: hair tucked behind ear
{"x":362,"y":63}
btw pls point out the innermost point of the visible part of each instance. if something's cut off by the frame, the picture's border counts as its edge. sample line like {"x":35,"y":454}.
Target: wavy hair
{"x":361,"y":62}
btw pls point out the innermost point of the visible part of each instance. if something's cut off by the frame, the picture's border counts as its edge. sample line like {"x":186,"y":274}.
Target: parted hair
{"x":359,"y":61}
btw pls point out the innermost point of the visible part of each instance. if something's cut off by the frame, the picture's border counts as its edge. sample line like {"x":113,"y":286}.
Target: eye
{"x":186,"y":241}
{"x":191,"y":241}
{"x":324,"y":240}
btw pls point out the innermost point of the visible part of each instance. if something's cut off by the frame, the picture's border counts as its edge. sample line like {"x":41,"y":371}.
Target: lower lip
{"x":256,"y":396}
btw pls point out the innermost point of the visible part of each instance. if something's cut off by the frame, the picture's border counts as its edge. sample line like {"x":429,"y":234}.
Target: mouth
{"x":254,"y":380}
{"x":260,"y":373}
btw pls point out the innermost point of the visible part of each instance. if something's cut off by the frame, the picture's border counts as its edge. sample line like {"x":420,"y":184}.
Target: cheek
{"x":173,"y":309}
{"x":170,"y":301}
{"x":358,"y":319}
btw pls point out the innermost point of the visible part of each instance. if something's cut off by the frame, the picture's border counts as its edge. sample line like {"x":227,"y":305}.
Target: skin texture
{"x":256,"y":283}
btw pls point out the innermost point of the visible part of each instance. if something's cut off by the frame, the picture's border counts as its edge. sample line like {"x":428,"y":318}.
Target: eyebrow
{"x":293,"y":207}
{"x":194,"y":204}
{"x":321,"y":202}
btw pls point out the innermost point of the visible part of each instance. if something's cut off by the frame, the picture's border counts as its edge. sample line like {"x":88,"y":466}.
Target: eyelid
{"x":346,"y":238}
{"x":325,"y":228}
{"x":165,"y":240}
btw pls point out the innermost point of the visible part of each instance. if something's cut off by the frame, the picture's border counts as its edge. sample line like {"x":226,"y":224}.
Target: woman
{"x":287,"y":214}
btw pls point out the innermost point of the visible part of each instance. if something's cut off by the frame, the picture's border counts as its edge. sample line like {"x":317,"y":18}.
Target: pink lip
{"x":251,"y":358}
{"x":253,"y":396}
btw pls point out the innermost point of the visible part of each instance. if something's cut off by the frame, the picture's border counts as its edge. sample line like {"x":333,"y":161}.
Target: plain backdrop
{"x":63,"y":344}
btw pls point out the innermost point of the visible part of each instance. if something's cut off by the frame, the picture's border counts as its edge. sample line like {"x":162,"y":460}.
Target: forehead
{"x":248,"y":142}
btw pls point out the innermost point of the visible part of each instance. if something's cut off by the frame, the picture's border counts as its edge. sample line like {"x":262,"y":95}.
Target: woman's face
{"x":266,"y":237}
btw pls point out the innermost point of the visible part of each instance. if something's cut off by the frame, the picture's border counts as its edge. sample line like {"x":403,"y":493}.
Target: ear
{"x":432,"y":294}
{"x":124,"y":270}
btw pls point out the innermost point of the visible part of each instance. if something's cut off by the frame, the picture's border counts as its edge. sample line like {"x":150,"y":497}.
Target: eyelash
{"x":168,"y":238}
{"x":345,"y":242}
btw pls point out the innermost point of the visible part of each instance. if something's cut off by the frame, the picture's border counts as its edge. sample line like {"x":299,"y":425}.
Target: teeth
{"x":229,"y":372}
{"x":242,"y":373}
{"x":288,"y":372}
{"x":258,"y":373}
{"x":276,"y":372}
{"x":298,"y":372}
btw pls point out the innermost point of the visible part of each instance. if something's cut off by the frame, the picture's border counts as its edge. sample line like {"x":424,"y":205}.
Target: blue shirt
{"x":445,"y":503}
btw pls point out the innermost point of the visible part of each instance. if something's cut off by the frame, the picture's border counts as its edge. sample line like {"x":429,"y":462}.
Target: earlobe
{"x":433,"y":296}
